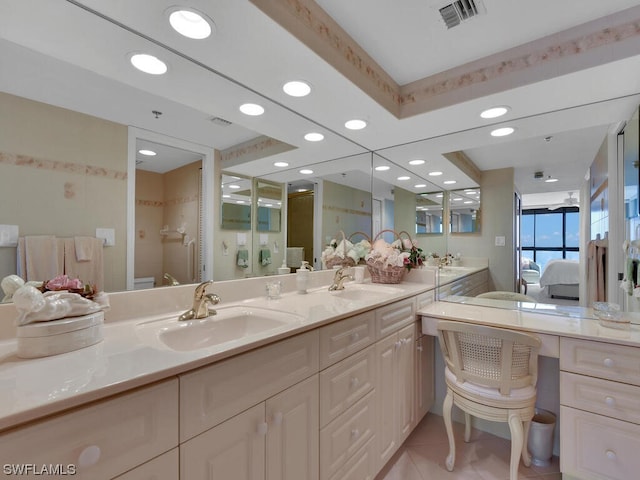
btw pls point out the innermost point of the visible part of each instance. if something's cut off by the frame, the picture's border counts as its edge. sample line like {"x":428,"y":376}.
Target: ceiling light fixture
{"x":494,"y":112}
{"x":234,"y":187}
{"x":502,"y":132}
{"x":420,"y":185}
{"x":382,"y":168}
{"x":252,"y":109}
{"x":306,"y":171}
{"x":435,"y":174}
{"x":190,"y":23}
{"x":403,"y":178}
{"x":280,"y":164}
{"x":314,"y":137}
{"x":449,"y":182}
{"x":148,"y":153}
{"x":148,"y":64}
{"x":355,"y":124}
{"x":297,"y":88}
{"x":551,"y":180}
{"x":417,"y":161}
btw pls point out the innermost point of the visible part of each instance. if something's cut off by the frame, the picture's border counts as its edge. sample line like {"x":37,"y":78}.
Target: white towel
{"x":41,"y":257}
{"x":91,"y":271}
{"x":84,"y":248}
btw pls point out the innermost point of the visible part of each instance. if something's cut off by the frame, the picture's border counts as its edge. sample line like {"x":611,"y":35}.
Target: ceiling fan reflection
{"x":570,"y":201}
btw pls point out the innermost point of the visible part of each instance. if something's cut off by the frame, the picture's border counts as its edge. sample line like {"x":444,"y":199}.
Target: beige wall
{"x":63,"y":173}
{"x":149,"y":220}
{"x":404,"y":211}
{"x":344,"y":208}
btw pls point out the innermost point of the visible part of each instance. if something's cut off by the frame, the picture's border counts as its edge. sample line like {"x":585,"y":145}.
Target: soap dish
{"x":43,"y":339}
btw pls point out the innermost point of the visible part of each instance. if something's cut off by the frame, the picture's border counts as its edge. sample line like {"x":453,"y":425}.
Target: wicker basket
{"x":336,"y":260}
{"x":382,"y":273}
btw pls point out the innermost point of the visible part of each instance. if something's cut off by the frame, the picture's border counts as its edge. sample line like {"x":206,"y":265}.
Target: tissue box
{"x":42,"y":339}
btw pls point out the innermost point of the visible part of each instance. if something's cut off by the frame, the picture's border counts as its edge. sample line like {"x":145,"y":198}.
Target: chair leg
{"x":446,"y":414}
{"x":517,"y":440}
{"x":467,"y":427}
{"x":526,"y":456}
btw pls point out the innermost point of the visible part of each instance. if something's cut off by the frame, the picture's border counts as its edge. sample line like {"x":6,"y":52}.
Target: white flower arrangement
{"x":345,"y":250}
{"x":389,"y":254}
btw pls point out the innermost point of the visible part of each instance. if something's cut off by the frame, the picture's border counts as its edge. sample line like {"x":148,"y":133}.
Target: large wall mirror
{"x":429,"y":213}
{"x":236,"y":202}
{"x":464,"y":211}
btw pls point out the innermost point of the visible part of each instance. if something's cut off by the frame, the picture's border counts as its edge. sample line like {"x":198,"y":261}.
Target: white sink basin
{"x":364,"y":291}
{"x":230,"y":324}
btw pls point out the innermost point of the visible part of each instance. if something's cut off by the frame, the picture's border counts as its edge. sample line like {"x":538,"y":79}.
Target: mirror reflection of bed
{"x":557,"y":283}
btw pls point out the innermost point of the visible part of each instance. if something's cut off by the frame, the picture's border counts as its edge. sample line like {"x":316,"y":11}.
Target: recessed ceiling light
{"x":494,"y":112}
{"x":551,"y":180}
{"x":420,"y":185}
{"x":190,"y":23}
{"x":417,"y":161}
{"x":281,"y":164}
{"x":403,"y":178}
{"x":440,"y":195}
{"x":457,"y":199}
{"x":355,"y":124}
{"x":148,"y":64}
{"x":300,"y":190}
{"x":468,"y":202}
{"x":297,"y":88}
{"x":449,"y":182}
{"x":382,"y":168}
{"x":306,"y":171}
{"x":314,"y":137}
{"x":469,"y":190}
{"x":268,"y":204}
{"x":435,"y":174}
{"x":252,"y":109}
{"x":226,"y":196}
{"x":239,"y":201}
{"x":149,"y":153}
{"x":502,"y":132}
{"x":234,"y":187}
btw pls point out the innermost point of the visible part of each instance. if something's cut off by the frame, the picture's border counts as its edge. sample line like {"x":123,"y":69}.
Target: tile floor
{"x":485,"y":457}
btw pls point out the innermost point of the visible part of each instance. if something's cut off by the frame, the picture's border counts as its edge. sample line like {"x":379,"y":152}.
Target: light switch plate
{"x":500,"y":241}
{"x":108,"y":236}
{"x":241,"y":239}
{"x":8,"y":235}
{"x":264,"y":239}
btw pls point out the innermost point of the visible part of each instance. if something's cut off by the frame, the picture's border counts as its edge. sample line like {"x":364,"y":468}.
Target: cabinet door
{"x":424,"y":376}
{"x":386,"y":398}
{"x":234,"y":449}
{"x":164,"y":467}
{"x":405,"y":376}
{"x":293,"y":435}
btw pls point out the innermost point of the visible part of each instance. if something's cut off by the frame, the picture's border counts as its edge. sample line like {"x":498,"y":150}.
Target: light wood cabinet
{"x":424,"y":380}
{"x":468,"y":286}
{"x":396,"y":369}
{"x":164,"y":467}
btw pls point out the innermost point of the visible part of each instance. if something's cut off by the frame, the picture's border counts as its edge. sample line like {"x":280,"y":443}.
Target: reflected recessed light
{"x":149,"y":153}
{"x":469,"y":190}
{"x":355,"y":124}
{"x":239,"y":201}
{"x":382,"y":168}
{"x":314,"y":137}
{"x":467,"y":202}
{"x":440,"y":195}
{"x":306,"y":171}
{"x":300,"y":190}
{"x":417,"y":161}
{"x":502,"y":132}
{"x":148,"y":64}
{"x":449,"y":182}
{"x":457,"y":199}
{"x":494,"y":112}
{"x":234,"y":187}
{"x":252,"y":109}
{"x":190,"y":23}
{"x":403,"y":178}
{"x":435,"y":174}
{"x":268,"y":204}
{"x":226,"y":196}
{"x":297,"y":88}
{"x":551,"y":180}
{"x":420,"y":185}
{"x":281,"y":164}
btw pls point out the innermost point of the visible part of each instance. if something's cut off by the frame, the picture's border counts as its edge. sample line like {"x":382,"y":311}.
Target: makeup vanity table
{"x":599,"y":378}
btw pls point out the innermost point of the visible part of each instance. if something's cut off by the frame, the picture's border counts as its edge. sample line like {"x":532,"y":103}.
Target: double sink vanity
{"x":323,"y":385}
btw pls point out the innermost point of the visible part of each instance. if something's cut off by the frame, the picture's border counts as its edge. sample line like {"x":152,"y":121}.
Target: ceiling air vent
{"x":220,"y":121}
{"x":460,"y":11}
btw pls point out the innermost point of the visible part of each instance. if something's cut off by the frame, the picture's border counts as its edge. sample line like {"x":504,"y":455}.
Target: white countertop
{"x":32,"y":388}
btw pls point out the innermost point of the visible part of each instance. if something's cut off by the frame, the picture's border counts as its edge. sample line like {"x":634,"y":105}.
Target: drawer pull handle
{"x":355,"y":336}
{"x":89,"y":456}
{"x":355,"y":433}
{"x":398,"y":344}
{"x":611,"y":455}
{"x":277,"y":418}
{"x":608,"y":363}
{"x":262,"y":428}
{"x":610,"y":401}
{"x":355,"y":381}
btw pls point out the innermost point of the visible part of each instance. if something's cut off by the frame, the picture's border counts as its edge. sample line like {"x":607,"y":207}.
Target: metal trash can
{"x":541,"y":437}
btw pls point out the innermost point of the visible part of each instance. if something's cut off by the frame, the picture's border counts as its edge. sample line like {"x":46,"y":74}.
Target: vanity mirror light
{"x":464,"y":211}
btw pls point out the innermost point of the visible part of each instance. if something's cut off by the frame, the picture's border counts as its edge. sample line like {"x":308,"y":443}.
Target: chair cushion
{"x":489,"y":395}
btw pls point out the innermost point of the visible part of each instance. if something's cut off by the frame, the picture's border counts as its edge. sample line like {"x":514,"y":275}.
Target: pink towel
{"x":91,"y":271}
{"x":41,"y":257}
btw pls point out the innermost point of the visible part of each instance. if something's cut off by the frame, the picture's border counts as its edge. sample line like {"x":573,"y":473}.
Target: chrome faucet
{"x":202,"y":302}
{"x":172,"y":281}
{"x":339,"y":278}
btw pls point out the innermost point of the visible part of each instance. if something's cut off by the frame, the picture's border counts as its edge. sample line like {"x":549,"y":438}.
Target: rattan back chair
{"x":490,"y":373}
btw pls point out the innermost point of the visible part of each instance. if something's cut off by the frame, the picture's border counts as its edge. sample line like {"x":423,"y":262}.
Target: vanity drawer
{"x":425,"y":299}
{"x":164,"y":467}
{"x":393,"y":317}
{"x":598,"y":359}
{"x":613,"y":399}
{"x":361,"y":466}
{"x":212,"y":394}
{"x":109,"y":437}
{"x":598,"y":447}
{"x":343,"y":437}
{"x":344,"y":383}
{"x":340,"y":339}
